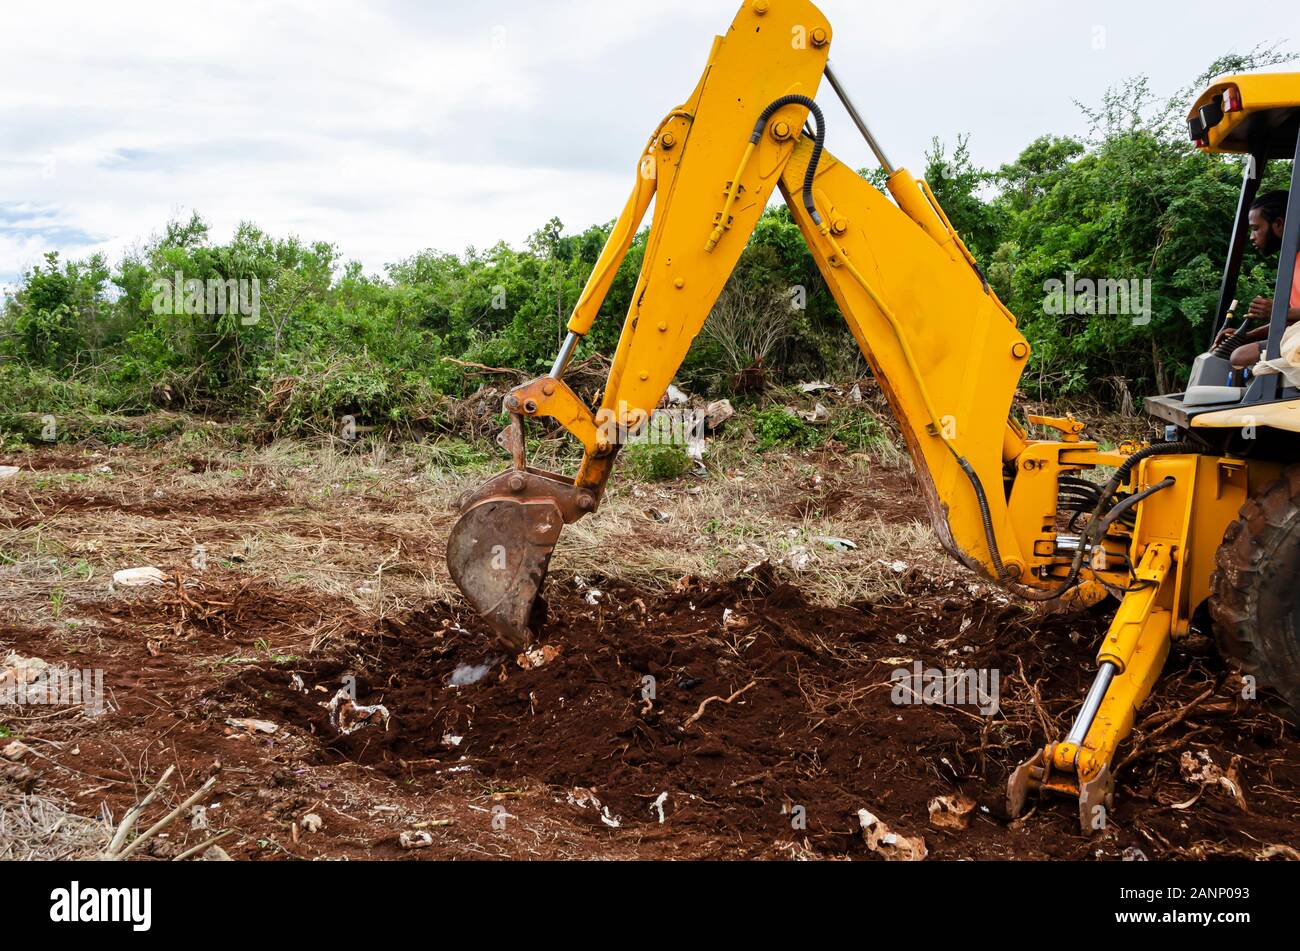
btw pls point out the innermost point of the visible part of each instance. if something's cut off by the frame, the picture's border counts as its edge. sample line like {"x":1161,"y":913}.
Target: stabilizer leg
{"x":1130,"y":660}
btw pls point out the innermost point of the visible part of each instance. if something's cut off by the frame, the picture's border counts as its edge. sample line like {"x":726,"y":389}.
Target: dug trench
{"x":738,"y":720}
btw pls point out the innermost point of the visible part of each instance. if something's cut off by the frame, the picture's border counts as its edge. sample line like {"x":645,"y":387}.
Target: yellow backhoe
{"x":1209,"y":518}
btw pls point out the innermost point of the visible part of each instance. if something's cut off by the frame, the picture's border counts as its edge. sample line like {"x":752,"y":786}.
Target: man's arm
{"x":1261,"y":308}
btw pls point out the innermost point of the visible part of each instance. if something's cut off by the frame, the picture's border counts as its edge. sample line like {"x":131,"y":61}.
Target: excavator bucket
{"x":499,"y":551}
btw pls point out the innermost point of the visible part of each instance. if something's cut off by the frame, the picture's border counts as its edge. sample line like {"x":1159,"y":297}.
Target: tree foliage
{"x":1132,"y":200}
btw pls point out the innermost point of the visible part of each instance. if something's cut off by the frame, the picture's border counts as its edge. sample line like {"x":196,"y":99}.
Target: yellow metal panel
{"x":968,"y":351}
{"x":1260,"y":92}
{"x":773,"y":48}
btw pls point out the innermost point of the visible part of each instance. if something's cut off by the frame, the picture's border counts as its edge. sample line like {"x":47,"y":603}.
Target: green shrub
{"x":652,"y":462}
{"x":780,"y":427}
{"x":316,"y":395}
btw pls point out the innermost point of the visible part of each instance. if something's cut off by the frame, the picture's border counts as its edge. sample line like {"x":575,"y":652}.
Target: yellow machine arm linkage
{"x":944,"y":349}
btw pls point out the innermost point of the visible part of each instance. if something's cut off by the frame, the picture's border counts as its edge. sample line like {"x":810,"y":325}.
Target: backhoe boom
{"x":944,"y":349}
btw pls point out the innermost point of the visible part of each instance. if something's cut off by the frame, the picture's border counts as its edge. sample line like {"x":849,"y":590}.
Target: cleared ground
{"x":295,"y":570}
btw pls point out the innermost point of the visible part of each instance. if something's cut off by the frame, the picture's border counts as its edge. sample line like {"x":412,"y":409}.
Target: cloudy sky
{"x":390,"y":126}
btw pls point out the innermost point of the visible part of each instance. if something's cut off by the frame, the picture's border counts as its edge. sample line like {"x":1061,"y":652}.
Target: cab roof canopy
{"x":1248,"y":113}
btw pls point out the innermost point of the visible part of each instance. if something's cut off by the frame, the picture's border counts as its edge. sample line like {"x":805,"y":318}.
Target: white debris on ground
{"x":717,"y":413}
{"x":348,"y":716}
{"x":249,"y":725}
{"x":700,"y":420}
{"x":658,"y":806}
{"x":584,"y":798}
{"x":468,"y":674}
{"x":8,"y":472}
{"x":951,"y":812}
{"x":16,"y":669}
{"x":311,"y":823}
{"x":1200,"y":768}
{"x":798,"y":557}
{"x":889,"y":844}
{"x":14,"y":751}
{"x":138,"y":577}
{"x":818,"y":414}
{"x":538,"y":657}
{"x":415,"y":840}
{"x":836,"y":544}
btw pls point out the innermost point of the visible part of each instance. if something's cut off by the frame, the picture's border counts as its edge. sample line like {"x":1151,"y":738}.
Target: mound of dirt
{"x":738,"y":715}
{"x":711,"y":720}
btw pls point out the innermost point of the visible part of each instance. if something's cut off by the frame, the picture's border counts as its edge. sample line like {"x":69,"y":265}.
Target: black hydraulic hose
{"x":1071,"y":490}
{"x":1092,"y":533}
{"x":986,"y":514}
{"x":1126,"y":468}
{"x":1125,"y":504}
{"x":819,"y":144}
{"x":1079,"y":482}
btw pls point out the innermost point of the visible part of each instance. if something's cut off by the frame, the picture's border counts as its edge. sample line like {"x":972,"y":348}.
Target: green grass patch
{"x":651,"y":462}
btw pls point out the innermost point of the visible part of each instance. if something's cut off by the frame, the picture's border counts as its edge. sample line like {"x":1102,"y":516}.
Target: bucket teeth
{"x":1035,"y":776}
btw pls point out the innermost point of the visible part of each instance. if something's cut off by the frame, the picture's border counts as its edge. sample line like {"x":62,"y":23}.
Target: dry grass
{"x":719,"y":527}
{"x":38,"y":828}
{"x":368,"y":525}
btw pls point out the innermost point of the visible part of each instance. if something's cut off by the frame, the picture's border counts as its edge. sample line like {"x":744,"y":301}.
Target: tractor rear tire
{"x":1255,"y":599}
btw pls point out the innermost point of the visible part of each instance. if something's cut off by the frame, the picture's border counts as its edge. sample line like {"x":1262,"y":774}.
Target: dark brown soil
{"x":816,"y":730}
{"x":810,"y":737}
{"x":889,"y":493}
{"x":38,"y":507}
{"x":48,"y":461}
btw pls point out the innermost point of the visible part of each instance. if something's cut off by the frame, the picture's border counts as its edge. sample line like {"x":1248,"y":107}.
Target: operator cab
{"x":1257,"y":116}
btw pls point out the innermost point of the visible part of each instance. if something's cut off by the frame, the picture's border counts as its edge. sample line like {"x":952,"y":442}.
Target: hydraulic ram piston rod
{"x":1091,"y":704}
{"x":566,"y":354}
{"x":859,"y":122}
